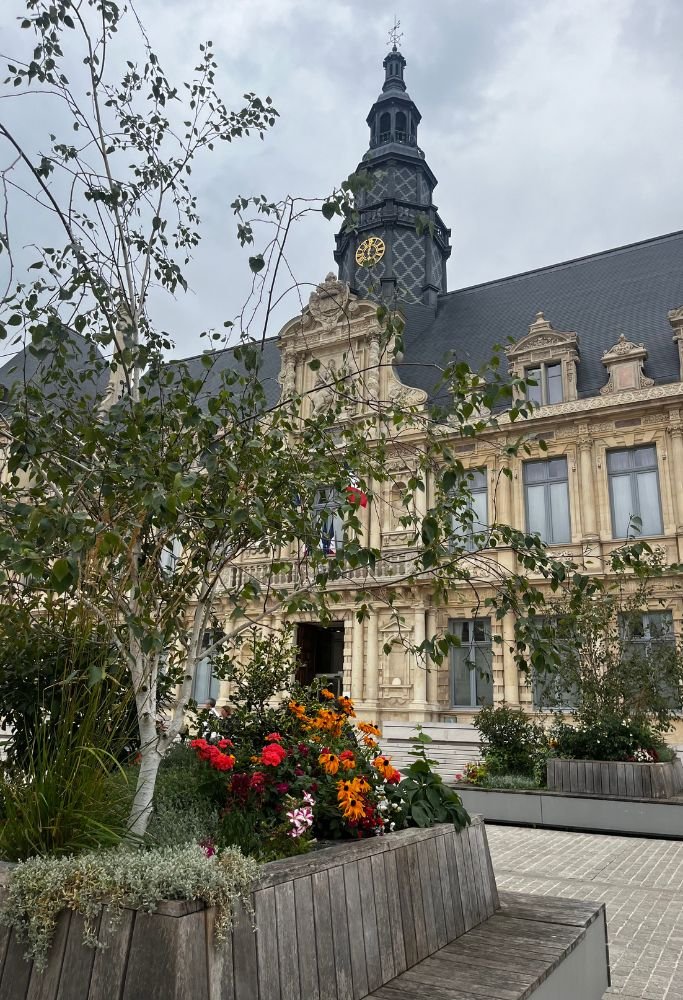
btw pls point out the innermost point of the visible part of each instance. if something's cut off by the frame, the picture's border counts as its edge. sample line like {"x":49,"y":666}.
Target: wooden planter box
{"x":339,"y":922}
{"x":616,"y":778}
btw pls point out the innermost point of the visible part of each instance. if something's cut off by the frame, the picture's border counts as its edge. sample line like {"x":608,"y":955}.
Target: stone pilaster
{"x":589,"y":513}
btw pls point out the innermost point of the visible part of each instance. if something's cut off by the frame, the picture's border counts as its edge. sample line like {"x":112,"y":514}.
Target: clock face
{"x":370,"y":251}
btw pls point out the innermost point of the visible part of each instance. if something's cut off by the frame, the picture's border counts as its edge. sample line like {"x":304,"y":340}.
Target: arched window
{"x":401,"y":127}
{"x":384,"y":127}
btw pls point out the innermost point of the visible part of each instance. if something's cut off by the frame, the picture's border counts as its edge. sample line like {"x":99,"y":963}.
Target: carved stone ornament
{"x":675,"y":317}
{"x":325,"y":393}
{"x":329,"y":301}
{"x":542,"y":343}
{"x":624,"y":362}
{"x":406,"y":395}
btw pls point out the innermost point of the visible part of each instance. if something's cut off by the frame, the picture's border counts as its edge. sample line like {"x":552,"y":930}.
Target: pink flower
{"x":273,"y":738}
{"x":282,"y":788}
{"x":308,"y":799}
{"x":301,"y":820}
{"x":458,"y":777}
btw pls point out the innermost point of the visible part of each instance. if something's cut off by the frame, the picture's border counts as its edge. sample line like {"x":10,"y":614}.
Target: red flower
{"x":273,"y":738}
{"x":257,"y":781}
{"x":272,"y":755}
{"x":282,"y":788}
{"x":298,"y":771}
{"x":224,"y":744}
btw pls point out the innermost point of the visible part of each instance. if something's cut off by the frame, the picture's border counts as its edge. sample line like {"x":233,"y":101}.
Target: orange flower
{"x":369,"y":742}
{"x":347,"y":760}
{"x":328,"y":721}
{"x":383,"y":765}
{"x":369,"y":729}
{"x":296,"y":709}
{"x":346,"y":705}
{"x":326,"y":693}
{"x":329,"y":762}
{"x":353,"y":809}
{"x":360,"y":786}
{"x":344,"y":790}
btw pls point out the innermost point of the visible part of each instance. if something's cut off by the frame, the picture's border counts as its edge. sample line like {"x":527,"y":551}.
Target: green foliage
{"x":607,"y":738}
{"x":424,"y":797}
{"x":511,"y":781}
{"x":39,"y":889}
{"x":188,"y":799}
{"x":69,"y":793}
{"x":512,"y":742}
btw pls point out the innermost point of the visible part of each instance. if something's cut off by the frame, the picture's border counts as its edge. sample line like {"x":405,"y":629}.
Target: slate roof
{"x":627,"y":290}
{"x":26,"y":367}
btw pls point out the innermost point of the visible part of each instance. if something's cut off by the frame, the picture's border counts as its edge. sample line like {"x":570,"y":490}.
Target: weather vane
{"x":394,"y":35}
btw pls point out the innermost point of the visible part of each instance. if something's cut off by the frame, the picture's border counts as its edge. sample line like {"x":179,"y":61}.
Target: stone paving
{"x":641,"y":882}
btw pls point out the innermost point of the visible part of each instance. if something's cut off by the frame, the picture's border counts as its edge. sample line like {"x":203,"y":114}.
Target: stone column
{"x":357,"y":660}
{"x":372,"y":660}
{"x":421,"y":499}
{"x":375,"y":514}
{"x":420,"y":674}
{"x":676,"y":466}
{"x":510,"y":673}
{"x":589,"y":514}
{"x":503,"y":505}
{"x":432,"y":676}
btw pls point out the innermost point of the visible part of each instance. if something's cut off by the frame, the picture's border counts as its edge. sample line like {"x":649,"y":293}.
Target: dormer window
{"x":549,"y":359}
{"x":548,"y":388}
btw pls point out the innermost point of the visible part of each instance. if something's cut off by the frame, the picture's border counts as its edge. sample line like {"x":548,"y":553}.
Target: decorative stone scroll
{"x":624,"y":362}
{"x":329,"y":301}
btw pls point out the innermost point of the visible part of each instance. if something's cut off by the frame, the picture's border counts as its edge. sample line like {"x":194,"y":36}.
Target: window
{"x":326,"y":509}
{"x":546,"y":492}
{"x":204,"y":684}
{"x":651,"y":635}
{"x":548,"y":388}
{"x":471,"y":669}
{"x":634,"y":491}
{"x":477,"y":485}
{"x":548,"y":690}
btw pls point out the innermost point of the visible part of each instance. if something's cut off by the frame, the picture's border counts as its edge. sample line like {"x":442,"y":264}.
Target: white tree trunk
{"x":151,"y":752}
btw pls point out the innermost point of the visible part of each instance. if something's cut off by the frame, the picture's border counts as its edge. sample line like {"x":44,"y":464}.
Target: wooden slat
{"x":464,"y":879}
{"x":454,"y":883}
{"x":638,"y":781}
{"x":340,"y":930}
{"x":394,"y":909}
{"x":406,"y":900}
{"x":324,"y":942}
{"x":485,"y":880}
{"x":16,"y":971}
{"x":444,"y":880}
{"x":427,"y":898}
{"x":621,"y":778}
{"x":606,"y":778}
{"x":109,"y":966}
{"x":218,"y":960}
{"x":356,"y":941}
{"x":370,"y":928}
{"x":413,"y":870}
{"x":74,"y":983}
{"x":379,"y":881}
{"x":305,"y":925}
{"x":630,"y":780}
{"x":44,"y":985}
{"x":437,"y":891}
{"x":647,"y":781}
{"x":267,"y":950}
{"x":244,"y":962}
{"x":286,"y":943}
{"x":470,"y":885}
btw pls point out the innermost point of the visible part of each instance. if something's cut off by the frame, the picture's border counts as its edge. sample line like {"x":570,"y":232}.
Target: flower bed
{"x":353,"y":915}
{"x":624,"y":779}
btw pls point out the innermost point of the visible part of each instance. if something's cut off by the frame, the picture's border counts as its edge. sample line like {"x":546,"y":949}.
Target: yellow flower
{"x":383,"y":765}
{"x":329,"y":762}
{"x":360,"y":786}
{"x":346,"y":706}
{"x":353,"y":809}
{"x":369,"y":742}
{"x":344,"y":790}
{"x":348,"y":763}
{"x":326,"y":693}
{"x":297,"y":709}
{"x":369,"y":729}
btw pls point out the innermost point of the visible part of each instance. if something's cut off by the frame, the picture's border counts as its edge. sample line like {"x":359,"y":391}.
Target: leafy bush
{"x":512,"y":781}
{"x":39,"y":889}
{"x":475,"y":773}
{"x":422,"y":796}
{"x":512,"y":742}
{"x":609,"y":738}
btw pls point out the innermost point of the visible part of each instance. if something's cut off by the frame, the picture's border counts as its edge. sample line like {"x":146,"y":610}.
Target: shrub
{"x":39,"y":889}
{"x":512,"y":743}
{"x":609,"y":738}
{"x":512,"y":781}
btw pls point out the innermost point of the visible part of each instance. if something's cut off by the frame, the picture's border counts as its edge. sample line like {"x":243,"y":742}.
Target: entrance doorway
{"x":321,"y":654}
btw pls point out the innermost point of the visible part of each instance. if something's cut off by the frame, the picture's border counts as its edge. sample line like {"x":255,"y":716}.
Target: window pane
{"x":648,"y":503}
{"x":661,"y":625}
{"x":201,"y":684}
{"x":534,"y":392}
{"x":618,"y":461}
{"x":483,"y":675}
{"x":557,"y":468}
{"x":482,"y":630}
{"x":535,"y":472}
{"x":477,"y":479}
{"x":622,"y":505}
{"x":559,"y":507}
{"x":462,"y":676}
{"x":554,"y":383}
{"x":480,"y":510}
{"x":535,"y":502}
{"x":645,"y":457}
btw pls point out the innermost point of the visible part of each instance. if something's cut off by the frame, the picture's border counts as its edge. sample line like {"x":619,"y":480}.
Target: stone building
{"x":603,"y":338}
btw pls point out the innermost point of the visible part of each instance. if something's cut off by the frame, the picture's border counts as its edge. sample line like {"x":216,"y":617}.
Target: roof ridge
{"x":217,"y":350}
{"x":626,"y":247}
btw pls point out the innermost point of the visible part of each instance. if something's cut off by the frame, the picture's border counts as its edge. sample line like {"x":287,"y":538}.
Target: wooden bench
{"x":533,"y":946}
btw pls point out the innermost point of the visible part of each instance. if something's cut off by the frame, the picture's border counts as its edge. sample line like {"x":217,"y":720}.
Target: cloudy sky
{"x":553,"y":126}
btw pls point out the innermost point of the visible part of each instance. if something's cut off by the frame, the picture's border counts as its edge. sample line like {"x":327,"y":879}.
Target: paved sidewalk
{"x":641,"y":881}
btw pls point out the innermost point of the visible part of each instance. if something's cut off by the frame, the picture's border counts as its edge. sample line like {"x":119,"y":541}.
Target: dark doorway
{"x":321,"y":654}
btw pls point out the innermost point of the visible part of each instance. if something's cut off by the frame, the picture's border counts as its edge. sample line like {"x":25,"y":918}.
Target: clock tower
{"x":400,"y":246}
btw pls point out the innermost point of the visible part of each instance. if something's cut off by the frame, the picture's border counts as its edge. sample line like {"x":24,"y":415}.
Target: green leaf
{"x":257,"y":263}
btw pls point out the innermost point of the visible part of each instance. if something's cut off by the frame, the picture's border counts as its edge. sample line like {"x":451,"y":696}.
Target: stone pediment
{"x":539,"y":343}
{"x":624,"y":363}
